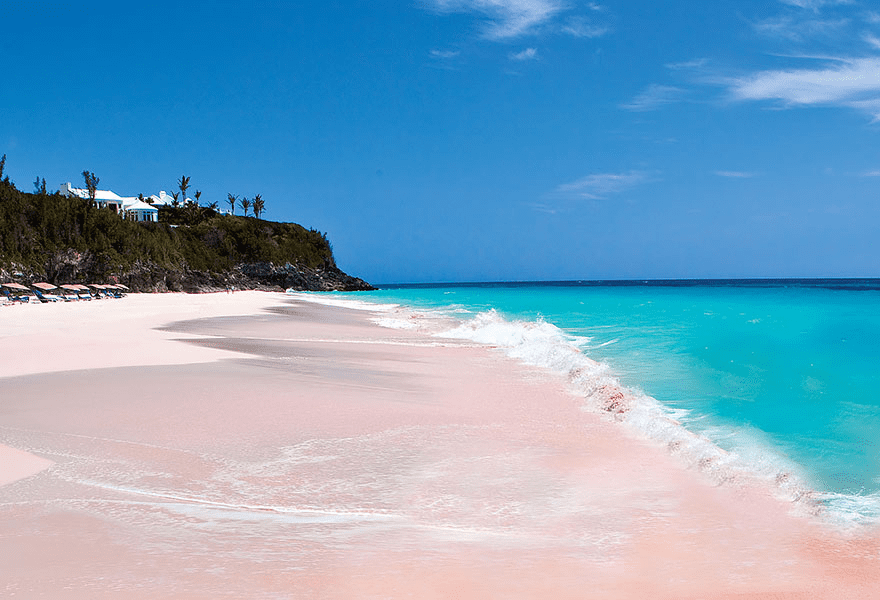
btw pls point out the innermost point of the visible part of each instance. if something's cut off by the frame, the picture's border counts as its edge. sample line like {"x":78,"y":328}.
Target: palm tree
{"x":91,"y":184}
{"x":2,"y":166}
{"x":198,"y":195}
{"x":183,"y":183}
{"x":232,"y":199}
{"x":175,"y":202}
{"x":259,"y":205}
{"x":245,"y":204}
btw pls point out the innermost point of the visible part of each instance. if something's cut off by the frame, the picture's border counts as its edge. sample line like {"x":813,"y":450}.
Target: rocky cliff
{"x":82,"y":267}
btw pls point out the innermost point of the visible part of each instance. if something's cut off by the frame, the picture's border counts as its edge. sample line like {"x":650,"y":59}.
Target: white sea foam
{"x":729,"y":456}
{"x":342,"y":302}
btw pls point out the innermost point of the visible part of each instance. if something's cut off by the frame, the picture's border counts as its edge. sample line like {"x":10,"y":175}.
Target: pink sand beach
{"x":253,"y":445}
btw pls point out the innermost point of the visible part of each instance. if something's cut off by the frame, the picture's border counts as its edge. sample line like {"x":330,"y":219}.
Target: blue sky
{"x":465,"y":140}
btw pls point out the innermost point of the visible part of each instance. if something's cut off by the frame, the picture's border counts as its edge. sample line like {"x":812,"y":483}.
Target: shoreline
{"x":280,"y":445}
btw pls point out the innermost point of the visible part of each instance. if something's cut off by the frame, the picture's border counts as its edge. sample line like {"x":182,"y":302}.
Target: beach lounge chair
{"x":42,"y":288}
{"x":45,"y":297}
{"x":16,"y":292}
{"x":69,"y":292}
{"x":94,"y":290}
{"x":82,"y":292}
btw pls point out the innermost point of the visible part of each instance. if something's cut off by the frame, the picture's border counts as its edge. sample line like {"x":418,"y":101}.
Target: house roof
{"x":138,"y":205}
{"x":99,"y":194}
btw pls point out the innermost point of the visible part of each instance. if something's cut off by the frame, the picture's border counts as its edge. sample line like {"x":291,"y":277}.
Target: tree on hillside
{"x":2,"y":166}
{"x":183,"y":183}
{"x":91,"y":184}
{"x":232,"y":199}
{"x":175,"y":202}
{"x":198,"y":195}
{"x":245,"y":204}
{"x":259,"y":205}
{"x":40,"y":185}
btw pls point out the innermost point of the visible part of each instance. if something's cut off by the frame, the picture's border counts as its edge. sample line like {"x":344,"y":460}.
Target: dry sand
{"x":262,"y":447}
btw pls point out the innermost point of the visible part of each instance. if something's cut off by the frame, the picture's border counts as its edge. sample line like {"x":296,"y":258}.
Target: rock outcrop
{"x":76,"y":267}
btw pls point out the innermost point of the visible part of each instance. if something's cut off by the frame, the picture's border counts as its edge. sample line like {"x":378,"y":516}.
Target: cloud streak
{"x":601,"y":185}
{"x":506,"y":18}
{"x":735,"y":174}
{"x":527,"y":54}
{"x":854,"y":83}
{"x":814,"y":5}
{"x":654,"y":97}
{"x":510,"y":19}
{"x":444,"y":54}
{"x":584,"y":28}
{"x":797,"y":30}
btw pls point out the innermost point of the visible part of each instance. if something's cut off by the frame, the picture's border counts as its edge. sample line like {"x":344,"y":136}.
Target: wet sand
{"x":255,"y":446}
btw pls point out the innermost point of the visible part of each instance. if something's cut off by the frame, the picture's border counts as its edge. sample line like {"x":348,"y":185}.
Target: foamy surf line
{"x":750,"y":459}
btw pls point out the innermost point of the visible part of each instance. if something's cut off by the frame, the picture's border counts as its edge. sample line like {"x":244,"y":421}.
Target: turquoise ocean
{"x":772,"y":378}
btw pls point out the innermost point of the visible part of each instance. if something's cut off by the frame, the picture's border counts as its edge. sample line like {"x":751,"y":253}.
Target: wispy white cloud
{"x":544,"y":208}
{"x":735,"y":174}
{"x":584,"y":28}
{"x":874,"y":173}
{"x":653,"y":97}
{"x":527,"y":54}
{"x":506,"y":18}
{"x":509,"y":19}
{"x":696,"y":63}
{"x":444,"y":54}
{"x":601,"y":185}
{"x":798,"y":30}
{"x":853,"y":83}
{"x":814,"y":5}
{"x":872,"y":40}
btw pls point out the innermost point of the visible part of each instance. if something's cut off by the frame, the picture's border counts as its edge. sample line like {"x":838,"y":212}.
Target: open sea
{"x":770,"y":378}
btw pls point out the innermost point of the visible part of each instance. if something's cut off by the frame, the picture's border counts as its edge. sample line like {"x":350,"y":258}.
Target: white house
{"x":128,"y":207}
{"x":141,"y":211}
{"x":165,"y":199}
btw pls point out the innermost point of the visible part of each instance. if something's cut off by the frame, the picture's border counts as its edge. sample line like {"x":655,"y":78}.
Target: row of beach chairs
{"x":12,"y":293}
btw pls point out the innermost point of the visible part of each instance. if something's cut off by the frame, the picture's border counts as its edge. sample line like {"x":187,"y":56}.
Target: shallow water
{"x":781,"y":375}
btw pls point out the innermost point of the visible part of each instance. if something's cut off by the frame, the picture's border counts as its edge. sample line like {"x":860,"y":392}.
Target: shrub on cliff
{"x":36,"y":228}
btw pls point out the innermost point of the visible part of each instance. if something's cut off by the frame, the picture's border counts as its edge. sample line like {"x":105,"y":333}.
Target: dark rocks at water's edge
{"x":253,"y":276}
{"x":148,"y":277}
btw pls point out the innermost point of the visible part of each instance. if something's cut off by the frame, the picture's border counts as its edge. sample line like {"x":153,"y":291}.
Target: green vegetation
{"x":91,"y":184}
{"x":37,"y":228}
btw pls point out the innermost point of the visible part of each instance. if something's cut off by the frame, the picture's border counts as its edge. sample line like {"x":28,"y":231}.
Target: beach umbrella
{"x":69,"y":286}
{"x":125,"y":287}
{"x":15,"y":286}
{"x":44,"y":286}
